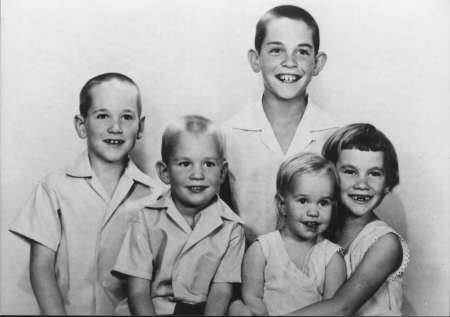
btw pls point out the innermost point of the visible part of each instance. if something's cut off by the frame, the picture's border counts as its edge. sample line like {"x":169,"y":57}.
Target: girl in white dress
{"x":295,"y":266}
{"x":376,"y":255}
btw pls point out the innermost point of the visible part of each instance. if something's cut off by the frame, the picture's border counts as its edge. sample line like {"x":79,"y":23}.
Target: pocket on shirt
{"x":203,"y":274}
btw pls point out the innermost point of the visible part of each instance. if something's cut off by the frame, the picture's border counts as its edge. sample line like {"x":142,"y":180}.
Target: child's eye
{"x":102,"y":116}
{"x":376,"y":174}
{"x":324,"y":203}
{"x":209,"y":164}
{"x":184,"y":164}
{"x":128,"y":117}
{"x":349,"y":172}
{"x":275,"y":50}
{"x":303,"y":52}
{"x":303,"y":201}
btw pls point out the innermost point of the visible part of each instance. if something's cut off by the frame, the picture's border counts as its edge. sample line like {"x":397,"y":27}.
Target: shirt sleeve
{"x":39,"y":218}
{"x":229,"y":270}
{"x":135,"y":257}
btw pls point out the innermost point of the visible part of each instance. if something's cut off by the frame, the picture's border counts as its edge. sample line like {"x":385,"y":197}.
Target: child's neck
{"x":109,"y":174}
{"x":277,"y":108}
{"x":351,"y":227}
{"x":284,"y":117}
{"x":189,"y":213}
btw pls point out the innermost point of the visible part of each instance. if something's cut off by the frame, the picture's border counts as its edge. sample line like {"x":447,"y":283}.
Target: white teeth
{"x":114,"y":141}
{"x":288,"y":78}
{"x":360,"y":198}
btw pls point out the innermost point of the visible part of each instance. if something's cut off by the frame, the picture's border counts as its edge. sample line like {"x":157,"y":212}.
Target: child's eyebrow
{"x":100,"y":110}
{"x":274,"y":43}
{"x":305,"y":45}
{"x":378,"y":168}
{"x":347,"y":166}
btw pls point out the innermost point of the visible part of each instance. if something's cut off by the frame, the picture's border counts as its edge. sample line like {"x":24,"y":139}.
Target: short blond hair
{"x":194,"y":125}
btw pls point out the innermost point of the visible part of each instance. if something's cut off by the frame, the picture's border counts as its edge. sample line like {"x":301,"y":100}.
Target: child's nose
{"x":361,"y":183}
{"x":289,"y":61}
{"x":197,"y":173}
{"x":313,"y":211}
{"x":115,"y":127}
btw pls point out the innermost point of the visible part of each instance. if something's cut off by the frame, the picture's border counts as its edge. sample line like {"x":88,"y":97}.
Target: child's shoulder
{"x":373,"y":231}
{"x":386,"y":238}
{"x":245,"y":118}
{"x":226,"y":213}
{"x":326,"y":248}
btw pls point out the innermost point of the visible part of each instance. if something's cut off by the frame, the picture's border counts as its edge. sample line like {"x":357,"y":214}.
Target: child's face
{"x":363,"y":180}
{"x":195,"y":171}
{"x":287,"y":59}
{"x":112,"y":124}
{"x":307,"y":206}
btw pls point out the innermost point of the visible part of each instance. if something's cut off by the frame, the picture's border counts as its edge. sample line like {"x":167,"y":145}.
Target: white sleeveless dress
{"x":387,"y":300}
{"x":286,"y":287}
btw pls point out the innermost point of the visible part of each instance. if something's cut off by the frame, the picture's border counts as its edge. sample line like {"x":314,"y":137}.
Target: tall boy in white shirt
{"x":282,"y":122}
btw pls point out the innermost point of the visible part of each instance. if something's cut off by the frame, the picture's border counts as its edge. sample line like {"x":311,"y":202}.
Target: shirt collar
{"x":217,"y":208}
{"x":254,"y":118}
{"x":81,"y":167}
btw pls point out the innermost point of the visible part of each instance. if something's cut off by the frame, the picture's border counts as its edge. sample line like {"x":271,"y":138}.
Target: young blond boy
{"x":77,"y":218}
{"x":282,"y":122}
{"x":183,"y":252}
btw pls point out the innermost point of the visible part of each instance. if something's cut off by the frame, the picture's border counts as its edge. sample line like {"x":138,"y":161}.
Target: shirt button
{"x":107,"y":246}
{"x":104,"y":284}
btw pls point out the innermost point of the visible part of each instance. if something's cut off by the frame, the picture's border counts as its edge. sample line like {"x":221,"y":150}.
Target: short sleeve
{"x":135,"y":257}
{"x":331,"y":249}
{"x":229,"y":270}
{"x":39,"y":218}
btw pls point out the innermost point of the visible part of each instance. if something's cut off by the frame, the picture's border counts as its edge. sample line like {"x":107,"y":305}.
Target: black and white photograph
{"x":225,"y":157}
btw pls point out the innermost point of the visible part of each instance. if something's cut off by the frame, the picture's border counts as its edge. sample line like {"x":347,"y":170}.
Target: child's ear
{"x":141,"y":127}
{"x":80,"y":127}
{"x":163,"y":172}
{"x":387,"y":190}
{"x":253,"y":59}
{"x":280,"y":204}
{"x":321,"y":59}
{"x":223,"y":171}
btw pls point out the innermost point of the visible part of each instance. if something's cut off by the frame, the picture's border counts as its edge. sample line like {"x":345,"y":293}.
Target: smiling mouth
{"x":114,"y":141}
{"x":361,"y":198}
{"x":311,"y":224}
{"x":196,"y":189}
{"x":288,"y":78}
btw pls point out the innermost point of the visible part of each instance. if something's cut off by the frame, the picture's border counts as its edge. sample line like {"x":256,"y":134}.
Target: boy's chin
{"x":289,"y":94}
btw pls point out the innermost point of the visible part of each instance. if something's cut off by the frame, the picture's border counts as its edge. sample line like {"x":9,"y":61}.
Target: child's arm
{"x":219,"y":297}
{"x":381,"y":260}
{"x":335,"y":275}
{"x":253,"y":278}
{"x":139,"y":299}
{"x":43,"y":280}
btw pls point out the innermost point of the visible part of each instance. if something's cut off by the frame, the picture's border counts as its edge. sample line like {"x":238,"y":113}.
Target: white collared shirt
{"x":71,"y":213}
{"x":254,"y":156}
{"x":182,"y":262}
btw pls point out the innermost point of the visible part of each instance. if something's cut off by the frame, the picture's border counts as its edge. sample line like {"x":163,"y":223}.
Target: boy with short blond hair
{"x":282,"y":123}
{"x":75,"y":219}
{"x":183,"y":253}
